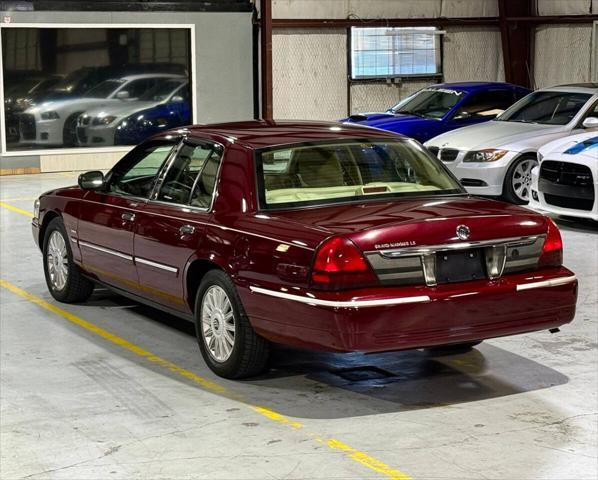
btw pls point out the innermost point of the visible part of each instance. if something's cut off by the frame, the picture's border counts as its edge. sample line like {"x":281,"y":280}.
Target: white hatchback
{"x":496,"y":157}
{"x":566,"y":181}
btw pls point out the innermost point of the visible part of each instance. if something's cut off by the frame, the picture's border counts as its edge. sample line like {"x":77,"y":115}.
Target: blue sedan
{"x":443,"y":107}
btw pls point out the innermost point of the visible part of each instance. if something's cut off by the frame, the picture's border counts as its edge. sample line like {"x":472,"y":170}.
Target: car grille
{"x":565,"y":173}
{"x":568,"y":202}
{"x":567,"y":185}
{"x":448,"y":154}
{"x":406,"y":266}
{"x":27,"y":126}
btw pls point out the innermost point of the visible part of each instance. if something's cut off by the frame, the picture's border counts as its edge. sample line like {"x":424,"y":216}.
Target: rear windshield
{"x":309,"y":174}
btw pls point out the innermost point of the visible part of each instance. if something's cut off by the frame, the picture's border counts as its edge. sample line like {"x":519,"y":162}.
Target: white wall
{"x":566,"y":7}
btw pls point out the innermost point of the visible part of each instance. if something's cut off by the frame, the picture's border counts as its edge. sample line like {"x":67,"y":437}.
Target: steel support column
{"x":516,"y":41}
{"x":266,"y":57}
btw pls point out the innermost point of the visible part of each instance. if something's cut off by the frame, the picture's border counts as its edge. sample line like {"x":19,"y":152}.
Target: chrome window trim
{"x":407,"y":251}
{"x":161,"y":266}
{"x":105,"y":250}
{"x":546,"y":283}
{"x":341,"y":304}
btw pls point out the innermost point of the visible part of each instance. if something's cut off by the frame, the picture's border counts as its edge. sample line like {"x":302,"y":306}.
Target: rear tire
{"x":227,"y":341}
{"x":63,"y":277}
{"x":453,"y":349}
{"x":518,"y":180}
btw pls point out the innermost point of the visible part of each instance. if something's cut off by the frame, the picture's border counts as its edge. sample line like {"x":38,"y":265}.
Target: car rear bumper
{"x":396,"y":318}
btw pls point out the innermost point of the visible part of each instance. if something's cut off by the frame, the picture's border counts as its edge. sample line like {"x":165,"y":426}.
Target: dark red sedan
{"x":317,"y":235}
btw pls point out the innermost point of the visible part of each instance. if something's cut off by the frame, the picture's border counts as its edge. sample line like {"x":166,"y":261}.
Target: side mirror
{"x":123,"y":95}
{"x":93,"y":180}
{"x":178,"y":99}
{"x":590,"y":122}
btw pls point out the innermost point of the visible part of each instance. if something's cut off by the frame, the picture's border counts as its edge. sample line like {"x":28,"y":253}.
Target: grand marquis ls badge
{"x":463,"y":232}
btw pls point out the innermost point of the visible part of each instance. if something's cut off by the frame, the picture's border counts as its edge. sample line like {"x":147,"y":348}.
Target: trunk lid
{"x":419,"y":222}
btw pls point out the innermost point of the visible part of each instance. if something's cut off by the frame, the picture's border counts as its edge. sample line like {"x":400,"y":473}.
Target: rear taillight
{"x":552,"y":251}
{"x":340,"y":265}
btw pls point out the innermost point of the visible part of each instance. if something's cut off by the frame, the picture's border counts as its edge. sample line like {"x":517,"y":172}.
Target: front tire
{"x":518,"y":180}
{"x":227,"y":341}
{"x":63,"y":276}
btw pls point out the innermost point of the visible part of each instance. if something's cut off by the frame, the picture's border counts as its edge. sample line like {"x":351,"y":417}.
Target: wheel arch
{"x":195,"y":270}
{"x":48,"y":217}
{"x":525,"y":154}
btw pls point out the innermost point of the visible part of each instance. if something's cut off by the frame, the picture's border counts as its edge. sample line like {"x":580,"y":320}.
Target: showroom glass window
{"x":385,"y":52}
{"x":91,"y":87}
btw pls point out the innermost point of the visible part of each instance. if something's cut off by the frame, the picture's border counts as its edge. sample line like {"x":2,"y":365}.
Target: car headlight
{"x":52,"y":115}
{"x":107,"y":120}
{"x":488,"y":155}
{"x":36,"y":208}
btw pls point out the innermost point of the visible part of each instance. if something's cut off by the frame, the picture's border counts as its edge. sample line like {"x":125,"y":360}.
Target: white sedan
{"x":566,"y":181}
{"x":496,"y":158}
{"x":54,"y":123}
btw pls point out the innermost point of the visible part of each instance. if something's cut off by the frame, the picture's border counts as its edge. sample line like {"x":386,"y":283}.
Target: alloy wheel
{"x":218,"y":323}
{"x":57,"y":260}
{"x":521,"y":179}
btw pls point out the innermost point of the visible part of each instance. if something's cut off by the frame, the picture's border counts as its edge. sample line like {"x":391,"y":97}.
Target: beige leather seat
{"x":317,"y":168}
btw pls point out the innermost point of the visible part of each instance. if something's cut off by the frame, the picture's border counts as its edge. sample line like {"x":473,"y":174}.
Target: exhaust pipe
{"x":554,"y":330}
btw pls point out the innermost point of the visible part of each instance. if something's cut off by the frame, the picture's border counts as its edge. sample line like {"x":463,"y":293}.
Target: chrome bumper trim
{"x":341,"y":304}
{"x":546,"y":283}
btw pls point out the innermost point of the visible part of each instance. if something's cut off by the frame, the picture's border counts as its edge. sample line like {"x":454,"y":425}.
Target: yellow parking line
{"x":351,"y":453}
{"x":16,"y":209}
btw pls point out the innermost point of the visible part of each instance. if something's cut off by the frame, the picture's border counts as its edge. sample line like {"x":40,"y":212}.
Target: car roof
{"x":256,"y":134}
{"x":574,"y":87}
{"x":138,"y":76}
{"x":473,"y":86}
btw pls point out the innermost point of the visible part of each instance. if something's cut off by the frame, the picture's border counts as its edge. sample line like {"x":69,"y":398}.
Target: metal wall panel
{"x":561,"y":7}
{"x":473,"y":53}
{"x":383,"y":8}
{"x":378,"y":97}
{"x":562,"y":54}
{"x":309,"y":72}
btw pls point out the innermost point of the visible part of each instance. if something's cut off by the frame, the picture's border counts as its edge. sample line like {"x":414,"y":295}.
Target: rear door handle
{"x":187,"y":229}
{"x":128,"y":217}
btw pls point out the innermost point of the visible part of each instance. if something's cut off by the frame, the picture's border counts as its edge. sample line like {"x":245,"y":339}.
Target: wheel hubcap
{"x":218,"y":323}
{"x":522,"y":178}
{"x":57,"y":261}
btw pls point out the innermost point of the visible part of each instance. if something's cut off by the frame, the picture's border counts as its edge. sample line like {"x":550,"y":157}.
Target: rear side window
{"x":348,"y":171}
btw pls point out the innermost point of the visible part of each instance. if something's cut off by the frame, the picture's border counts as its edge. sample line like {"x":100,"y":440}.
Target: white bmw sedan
{"x":54,"y":123}
{"x":566,"y":181}
{"x":496,"y":158}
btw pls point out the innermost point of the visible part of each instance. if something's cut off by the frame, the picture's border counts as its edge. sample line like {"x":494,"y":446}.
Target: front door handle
{"x":128,"y":217}
{"x":187,"y":229}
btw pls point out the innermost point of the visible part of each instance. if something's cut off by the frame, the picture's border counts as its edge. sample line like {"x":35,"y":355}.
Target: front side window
{"x":349,"y":171}
{"x":192,"y":176}
{"x":383,"y":52}
{"x":429,"y":102}
{"x":137,"y":173}
{"x":551,"y":108}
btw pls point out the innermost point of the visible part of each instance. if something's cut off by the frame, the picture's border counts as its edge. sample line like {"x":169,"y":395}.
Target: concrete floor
{"x":74,"y":405}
